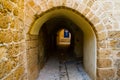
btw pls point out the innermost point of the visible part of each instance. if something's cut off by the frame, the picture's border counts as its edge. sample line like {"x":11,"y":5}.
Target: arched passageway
{"x":83,"y":39}
{"x":49,"y":33}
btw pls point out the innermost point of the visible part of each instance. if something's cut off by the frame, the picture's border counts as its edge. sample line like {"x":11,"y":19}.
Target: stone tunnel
{"x":29,"y":39}
{"x":81,"y":31}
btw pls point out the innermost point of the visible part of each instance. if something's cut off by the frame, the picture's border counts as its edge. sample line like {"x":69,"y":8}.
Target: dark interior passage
{"x":48,"y":40}
{"x":83,"y":39}
{"x":62,"y":61}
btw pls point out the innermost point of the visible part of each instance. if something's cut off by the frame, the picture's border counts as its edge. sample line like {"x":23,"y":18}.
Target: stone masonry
{"x":12,"y":40}
{"x":19,"y":50}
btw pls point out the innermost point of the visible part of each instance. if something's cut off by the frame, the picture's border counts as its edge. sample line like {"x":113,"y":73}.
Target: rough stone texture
{"x":118,"y":72}
{"x":3,"y":52}
{"x":18,"y":35}
{"x":12,"y":61}
{"x":102,"y":44}
{"x":118,"y":54}
{"x":114,"y":44}
{"x":117,"y":63}
{"x":55,"y":69}
{"x":99,"y":27}
{"x":99,"y":13}
{"x":6,"y":36}
{"x":16,"y":24}
{"x":86,"y":11}
{"x":102,"y":36}
{"x":95,"y":20}
{"x":32,"y":56}
{"x":104,"y":63}
{"x":103,"y":15}
{"x":18,"y":73}
{"x":114,"y":34}
{"x":105,"y":74}
{"x":13,"y":50}
{"x":104,"y":54}
{"x":4,"y":21}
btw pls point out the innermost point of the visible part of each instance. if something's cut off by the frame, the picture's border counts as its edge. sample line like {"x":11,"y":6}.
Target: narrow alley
{"x":63,"y":68}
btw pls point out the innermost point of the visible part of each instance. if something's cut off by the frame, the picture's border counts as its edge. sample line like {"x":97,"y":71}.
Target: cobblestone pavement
{"x":56,"y":69}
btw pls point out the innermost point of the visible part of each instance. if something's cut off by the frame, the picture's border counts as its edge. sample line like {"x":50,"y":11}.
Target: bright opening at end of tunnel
{"x":83,"y":38}
{"x":63,"y":37}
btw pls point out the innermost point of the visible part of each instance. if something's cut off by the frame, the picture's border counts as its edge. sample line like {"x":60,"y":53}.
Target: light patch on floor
{"x":56,"y":69}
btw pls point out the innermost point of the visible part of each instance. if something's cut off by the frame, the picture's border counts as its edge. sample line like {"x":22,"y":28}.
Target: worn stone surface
{"x":56,"y":70}
{"x":99,"y":27}
{"x":6,"y":36}
{"x":32,"y":56}
{"x":104,"y":63}
{"x":115,"y":44}
{"x":18,"y":73}
{"x":86,"y":11}
{"x":118,"y":54}
{"x":3,"y":52}
{"x":118,"y":72}
{"x":102,"y":44}
{"x":104,"y":53}
{"x":4,"y":21}
{"x":18,"y":35}
{"x":114,"y":34}
{"x":13,"y":50}
{"x":105,"y":74}
{"x":16,"y":24}
{"x":8,"y":5}
{"x":90,"y":15}
{"x":117,"y":63}
{"x":11,"y":54}
{"x":32,"y":44}
{"x":17,"y":16}
{"x":95,"y":20}
{"x":90,"y":3}
{"x":102,"y":36}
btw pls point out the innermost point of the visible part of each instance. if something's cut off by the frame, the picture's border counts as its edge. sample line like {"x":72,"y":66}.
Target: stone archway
{"x":19,"y":49}
{"x":90,"y":45}
{"x":93,"y":13}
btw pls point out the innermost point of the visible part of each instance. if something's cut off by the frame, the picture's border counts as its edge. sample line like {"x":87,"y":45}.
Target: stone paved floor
{"x":56,"y":69}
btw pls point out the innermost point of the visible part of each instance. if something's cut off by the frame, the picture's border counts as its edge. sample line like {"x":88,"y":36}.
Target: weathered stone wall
{"x":32,"y":56}
{"x":78,"y":43}
{"x":104,"y":15}
{"x":12,"y":40}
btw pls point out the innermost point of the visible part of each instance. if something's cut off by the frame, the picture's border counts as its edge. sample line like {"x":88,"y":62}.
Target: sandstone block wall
{"x":18,"y":56}
{"x":12,"y":40}
{"x":32,"y":56}
{"x":104,"y":16}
